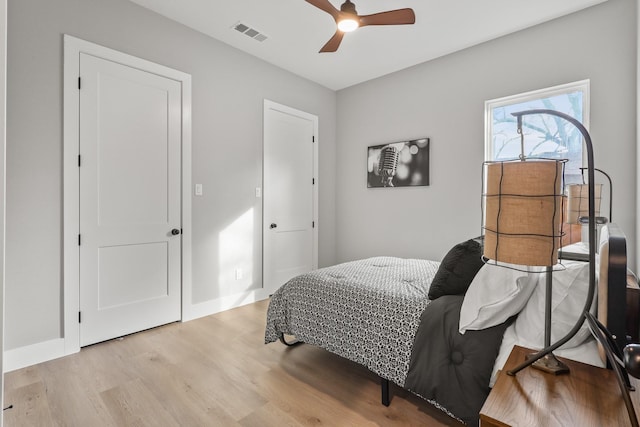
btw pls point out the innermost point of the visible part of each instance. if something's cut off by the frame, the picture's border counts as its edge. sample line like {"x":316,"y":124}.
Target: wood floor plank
{"x":269,"y":415}
{"x":213,"y":371}
{"x":306,"y":404}
{"x":179,"y":394}
{"x":72,"y":400}
{"x":30,"y":404}
{"x":132,"y":404}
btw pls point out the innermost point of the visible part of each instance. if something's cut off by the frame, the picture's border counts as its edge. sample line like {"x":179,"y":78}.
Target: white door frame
{"x":314,"y":119}
{"x":71,"y":203}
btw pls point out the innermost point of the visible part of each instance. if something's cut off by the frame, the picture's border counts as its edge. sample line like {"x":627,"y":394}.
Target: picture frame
{"x":398,"y":164}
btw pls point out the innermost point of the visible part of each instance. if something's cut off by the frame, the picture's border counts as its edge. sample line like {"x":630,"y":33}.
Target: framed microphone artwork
{"x":398,"y":164}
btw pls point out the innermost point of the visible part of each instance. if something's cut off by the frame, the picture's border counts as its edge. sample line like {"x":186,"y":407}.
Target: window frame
{"x":582,"y":85}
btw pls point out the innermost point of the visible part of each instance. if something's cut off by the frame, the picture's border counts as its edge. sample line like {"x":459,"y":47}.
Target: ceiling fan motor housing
{"x":348,"y":7}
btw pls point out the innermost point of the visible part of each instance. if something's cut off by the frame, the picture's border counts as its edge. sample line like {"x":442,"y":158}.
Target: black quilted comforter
{"x":372,"y":311}
{"x":448,"y":367}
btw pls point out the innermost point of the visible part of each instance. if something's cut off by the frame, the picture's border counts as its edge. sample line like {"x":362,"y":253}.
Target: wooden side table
{"x":587,"y":396}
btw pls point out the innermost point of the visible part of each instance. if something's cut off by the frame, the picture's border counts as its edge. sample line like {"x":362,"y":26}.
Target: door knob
{"x":273,"y":225}
{"x":175,"y":231}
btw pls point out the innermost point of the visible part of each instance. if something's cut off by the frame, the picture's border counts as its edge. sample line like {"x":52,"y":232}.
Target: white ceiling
{"x":297,"y":30}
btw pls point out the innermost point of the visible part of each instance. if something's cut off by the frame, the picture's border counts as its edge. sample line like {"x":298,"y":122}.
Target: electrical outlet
{"x":198,"y":190}
{"x":258,"y":192}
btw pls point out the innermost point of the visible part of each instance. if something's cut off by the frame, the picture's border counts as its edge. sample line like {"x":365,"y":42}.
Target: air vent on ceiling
{"x":248,"y":31}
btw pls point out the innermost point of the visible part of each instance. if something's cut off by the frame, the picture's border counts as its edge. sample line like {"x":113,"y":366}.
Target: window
{"x":544,"y":135}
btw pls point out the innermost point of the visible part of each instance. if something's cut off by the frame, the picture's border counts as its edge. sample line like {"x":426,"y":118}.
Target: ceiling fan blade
{"x":326,"y":6}
{"x":333,"y":43}
{"x":392,"y":17}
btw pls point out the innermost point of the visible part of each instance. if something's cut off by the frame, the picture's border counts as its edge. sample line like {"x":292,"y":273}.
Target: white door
{"x":130,"y":140}
{"x":290,"y":188}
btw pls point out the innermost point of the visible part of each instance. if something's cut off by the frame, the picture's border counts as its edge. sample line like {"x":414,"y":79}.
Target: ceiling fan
{"x":348,"y":20}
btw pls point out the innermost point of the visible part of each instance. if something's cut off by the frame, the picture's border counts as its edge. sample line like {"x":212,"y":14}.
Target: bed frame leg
{"x":289,"y":344}
{"x":384,"y":385}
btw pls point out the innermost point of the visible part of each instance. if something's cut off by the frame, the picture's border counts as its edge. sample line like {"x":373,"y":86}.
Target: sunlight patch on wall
{"x":236,"y":254}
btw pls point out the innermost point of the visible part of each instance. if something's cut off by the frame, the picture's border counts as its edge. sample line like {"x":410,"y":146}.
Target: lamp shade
{"x":523,"y":211}
{"x":578,"y":201}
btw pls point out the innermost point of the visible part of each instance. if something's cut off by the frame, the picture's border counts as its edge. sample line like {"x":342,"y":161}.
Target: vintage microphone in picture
{"x":388,"y":164}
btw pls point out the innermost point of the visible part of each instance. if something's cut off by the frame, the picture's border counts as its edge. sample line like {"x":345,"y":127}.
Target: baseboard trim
{"x":208,"y":308}
{"x":28,"y":355}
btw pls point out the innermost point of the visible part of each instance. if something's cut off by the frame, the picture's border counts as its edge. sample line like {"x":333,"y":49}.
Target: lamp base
{"x":549,"y":364}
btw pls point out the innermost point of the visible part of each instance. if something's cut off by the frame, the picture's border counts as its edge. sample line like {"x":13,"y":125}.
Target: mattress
{"x":367,"y":311}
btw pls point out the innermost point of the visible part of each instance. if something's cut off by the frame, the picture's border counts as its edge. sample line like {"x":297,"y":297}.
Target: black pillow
{"x":458,"y":268}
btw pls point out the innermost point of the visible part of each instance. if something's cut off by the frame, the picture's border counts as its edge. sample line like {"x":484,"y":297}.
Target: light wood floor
{"x":213,"y":371}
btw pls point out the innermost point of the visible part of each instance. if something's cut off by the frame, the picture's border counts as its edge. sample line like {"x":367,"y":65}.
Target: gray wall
{"x":228,"y":91}
{"x":444,"y":99}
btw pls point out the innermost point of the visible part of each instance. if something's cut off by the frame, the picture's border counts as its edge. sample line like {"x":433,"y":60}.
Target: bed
{"x":432,"y":328}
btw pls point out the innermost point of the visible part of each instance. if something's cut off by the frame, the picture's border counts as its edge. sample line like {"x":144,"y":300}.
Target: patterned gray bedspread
{"x":367,"y":311}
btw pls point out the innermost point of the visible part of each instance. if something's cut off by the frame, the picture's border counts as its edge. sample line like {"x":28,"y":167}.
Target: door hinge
{"x":79,"y":83}
{"x":313,"y":138}
{"x":78,"y":240}
{"x":313,"y":181}
{"x":79,"y":317}
{"x":78,"y":160}
{"x":313,"y":224}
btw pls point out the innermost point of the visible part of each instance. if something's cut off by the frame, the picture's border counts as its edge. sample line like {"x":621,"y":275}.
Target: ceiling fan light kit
{"x":347,"y":19}
{"x":347,"y":25}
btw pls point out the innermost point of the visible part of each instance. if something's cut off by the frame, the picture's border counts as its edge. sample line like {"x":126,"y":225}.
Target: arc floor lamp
{"x":545,"y":357}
